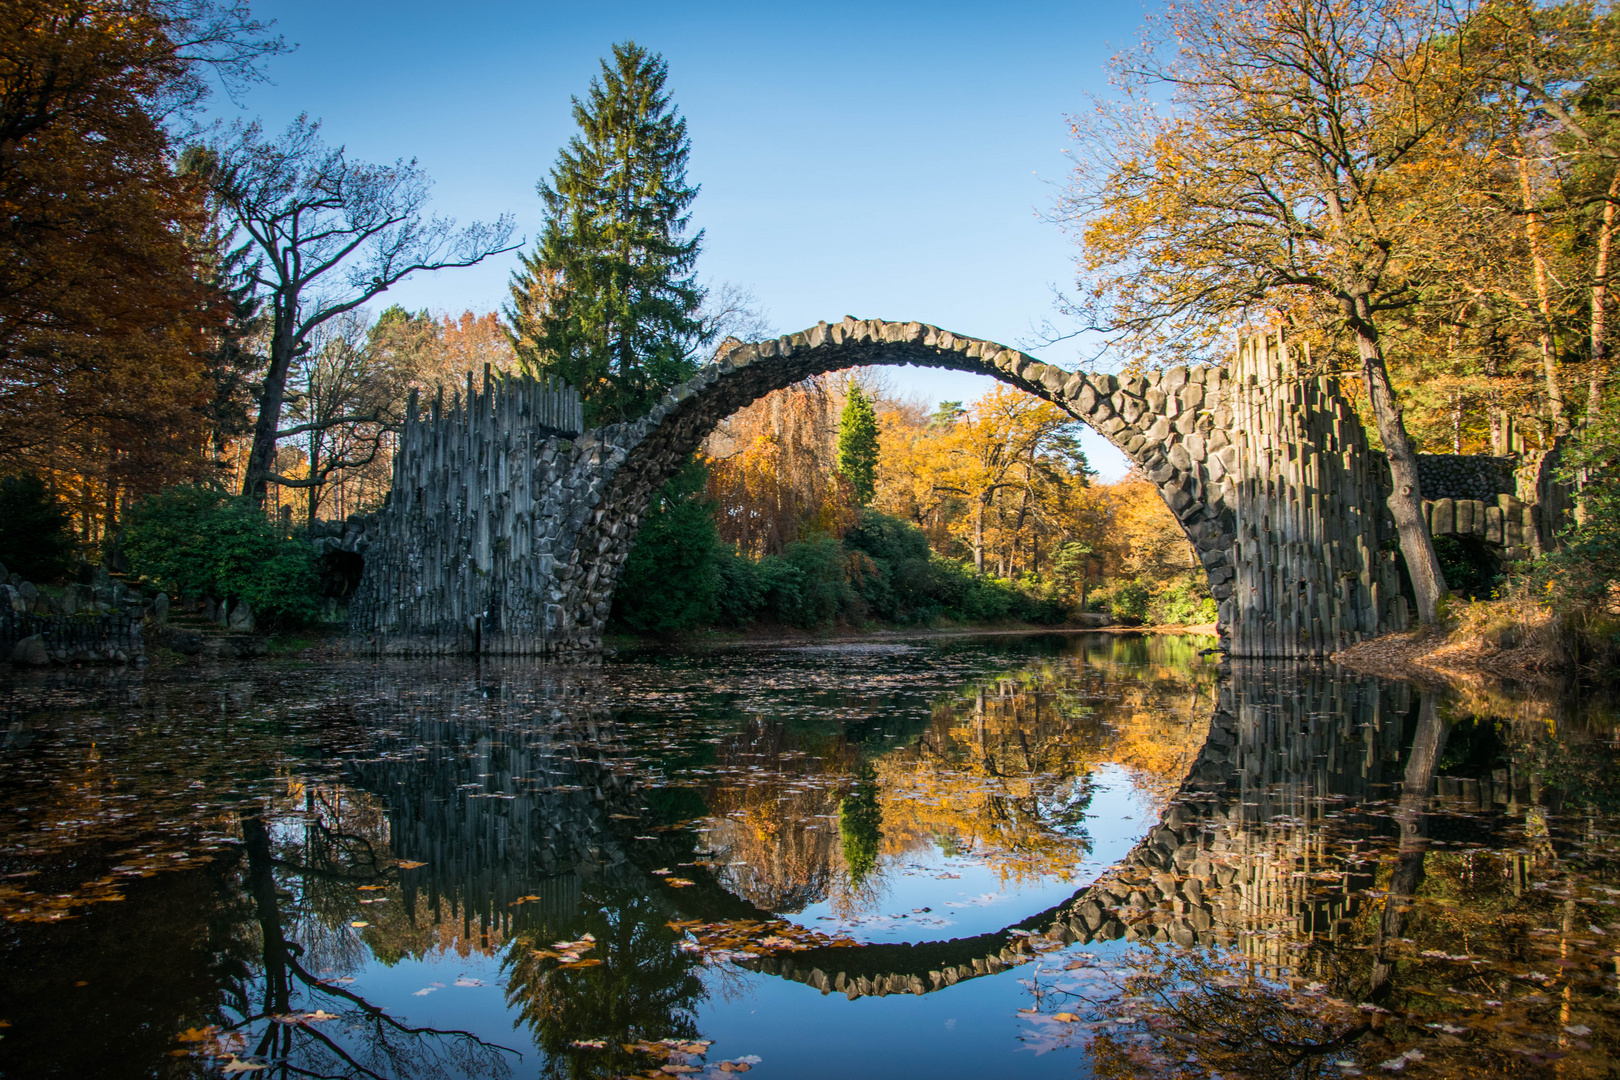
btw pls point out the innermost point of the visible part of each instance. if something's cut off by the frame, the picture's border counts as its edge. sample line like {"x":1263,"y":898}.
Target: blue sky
{"x":882,"y":160}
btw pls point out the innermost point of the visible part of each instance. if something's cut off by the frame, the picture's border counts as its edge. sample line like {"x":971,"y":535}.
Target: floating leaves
{"x":568,"y":954}
{"x":678,"y":1057}
{"x":747,"y":939}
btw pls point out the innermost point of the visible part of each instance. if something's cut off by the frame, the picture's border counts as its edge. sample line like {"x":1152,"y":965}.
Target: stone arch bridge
{"x":507,"y":526}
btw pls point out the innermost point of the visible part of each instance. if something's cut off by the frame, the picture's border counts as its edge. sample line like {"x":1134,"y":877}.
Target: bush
{"x":1468,"y":569}
{"x":1183,"y":600}
{"x":883,"y":568}
{"x":36,"y":538}
{"x":671,"y":581}
{"x":199,"y":541}
{"x":1124,"y":601}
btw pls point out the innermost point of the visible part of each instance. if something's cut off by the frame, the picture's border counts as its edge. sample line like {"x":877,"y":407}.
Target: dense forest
{"x":198,"y":359}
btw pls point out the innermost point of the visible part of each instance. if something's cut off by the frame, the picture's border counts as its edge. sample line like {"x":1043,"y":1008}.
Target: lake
{"x":1041,"y":856}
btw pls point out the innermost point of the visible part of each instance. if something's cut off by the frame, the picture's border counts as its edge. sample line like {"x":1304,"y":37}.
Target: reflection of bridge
{"x":1234,"y":852}
{"x":502,"y":536}
{"x":1241,"y":846}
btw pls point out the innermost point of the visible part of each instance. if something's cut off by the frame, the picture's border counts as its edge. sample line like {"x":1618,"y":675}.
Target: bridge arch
{"x":1167,"y":423}
{"x":506,"y":535}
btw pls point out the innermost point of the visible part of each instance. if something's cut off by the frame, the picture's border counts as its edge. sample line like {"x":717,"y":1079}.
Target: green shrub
{"x":36,"y":537}
{"x":672,"y":579}
{"x":199,"y":541}
{"x":1124,"y":601}
{"x":1183,"y":600}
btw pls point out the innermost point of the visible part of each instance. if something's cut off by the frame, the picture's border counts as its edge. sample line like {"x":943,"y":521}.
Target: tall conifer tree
{"x":858,"y":443}
{"x":609,"y":300}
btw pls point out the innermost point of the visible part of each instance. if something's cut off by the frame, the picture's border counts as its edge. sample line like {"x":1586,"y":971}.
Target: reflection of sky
{"x":971,"y":1030}
{"x":967,"y":896}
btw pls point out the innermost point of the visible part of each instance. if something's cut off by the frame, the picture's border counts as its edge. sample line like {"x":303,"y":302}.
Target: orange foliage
{"x":101,"y":386}
{"x":771,"y":469}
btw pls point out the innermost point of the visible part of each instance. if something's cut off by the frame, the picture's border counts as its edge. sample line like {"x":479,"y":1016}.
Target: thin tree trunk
{"x":1406,"y":497}
{"x":314,"y":456}
{"x":1600,"y":301}
{"x":1538,"y":258}
{"x":978,"y":535}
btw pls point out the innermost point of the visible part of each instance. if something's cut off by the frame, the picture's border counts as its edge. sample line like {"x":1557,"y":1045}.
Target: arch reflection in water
{"x":642,"y":855}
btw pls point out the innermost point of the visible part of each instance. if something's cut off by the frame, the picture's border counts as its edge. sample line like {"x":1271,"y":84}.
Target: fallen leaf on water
{"x":408,"y":864}
{"x":360,"y":923}
{"x":188,"y":1035}
{"x":1066,"y":1017}
{"x":589,"y":1044}
{"x":237,"y":1065}
{"x":678,"y":882}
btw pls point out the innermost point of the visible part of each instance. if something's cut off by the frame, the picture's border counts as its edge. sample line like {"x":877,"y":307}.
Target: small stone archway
{"x":505,"y":535}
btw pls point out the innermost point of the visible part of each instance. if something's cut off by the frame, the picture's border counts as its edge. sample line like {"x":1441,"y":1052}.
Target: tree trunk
{"x":1538,"y":258}
{"x":1406,"y":497}
{"x":1600,"y":300}
{"x":1428,"y":743}
{"x":262,"y":457}
{"x":314,"y":502}
{"x":978,"y":535}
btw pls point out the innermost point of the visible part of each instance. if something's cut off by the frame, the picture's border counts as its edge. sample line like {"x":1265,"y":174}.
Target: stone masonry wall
{"x":504,"y":535}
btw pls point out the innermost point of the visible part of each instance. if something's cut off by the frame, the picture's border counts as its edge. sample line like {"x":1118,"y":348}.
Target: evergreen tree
{"x":671,"y":581}
{"x":609,"y":300}
{"x":858,"y":444}
{"x":36,"y":535}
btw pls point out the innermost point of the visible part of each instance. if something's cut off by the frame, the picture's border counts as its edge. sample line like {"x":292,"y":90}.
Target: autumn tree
{"x":1560,"y":67}
{"x":470,"y":341}
{"x":608,"y":301}
{"x":772,"y":468}
{"x":1008,"y":464}
{"x":332,"y":234}
{"x":1279,"y":178}
{"x":102,"y":314}
{"x":345,"y":397}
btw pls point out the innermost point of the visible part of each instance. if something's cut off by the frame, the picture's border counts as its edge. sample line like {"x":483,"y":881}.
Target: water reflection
{"x":519,"y":870}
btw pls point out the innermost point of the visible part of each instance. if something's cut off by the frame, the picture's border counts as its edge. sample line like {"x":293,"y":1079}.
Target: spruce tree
{"x":858,"y":443}
{"x":608,"y":300}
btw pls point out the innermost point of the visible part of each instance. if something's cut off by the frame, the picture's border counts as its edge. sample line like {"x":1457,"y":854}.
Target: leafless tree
{"x":333,"y":233}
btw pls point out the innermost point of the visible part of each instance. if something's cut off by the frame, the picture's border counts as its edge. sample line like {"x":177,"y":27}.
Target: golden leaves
{"x":746,"y":939}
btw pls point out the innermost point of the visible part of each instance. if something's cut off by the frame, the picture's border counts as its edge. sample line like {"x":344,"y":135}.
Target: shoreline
{"x":788,"y":636}
{"x":1452,"y":659}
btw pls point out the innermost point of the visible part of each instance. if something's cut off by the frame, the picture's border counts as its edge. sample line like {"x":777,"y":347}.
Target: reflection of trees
{"x":999,"y":771}
{"x":646,"y":986}
{"x":1428,"y":934}
{"x":346,"y":1035}
{"x":860,"y":826}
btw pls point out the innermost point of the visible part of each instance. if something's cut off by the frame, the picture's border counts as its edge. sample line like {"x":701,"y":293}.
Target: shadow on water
{"x":1149,"y":863}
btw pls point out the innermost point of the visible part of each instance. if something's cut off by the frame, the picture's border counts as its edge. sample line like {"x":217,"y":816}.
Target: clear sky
{"x":882,"y":160}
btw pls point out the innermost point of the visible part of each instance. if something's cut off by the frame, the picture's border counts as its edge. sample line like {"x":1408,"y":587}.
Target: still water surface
{"x":1051,"y":856}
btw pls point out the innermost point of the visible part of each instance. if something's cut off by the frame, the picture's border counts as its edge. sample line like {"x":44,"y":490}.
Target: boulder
{"x":12,"y":599}
{"x":160,"y":609}
{"x":29,"y":591}
{"x":31,"y":652}
{"x":241,"y":619}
